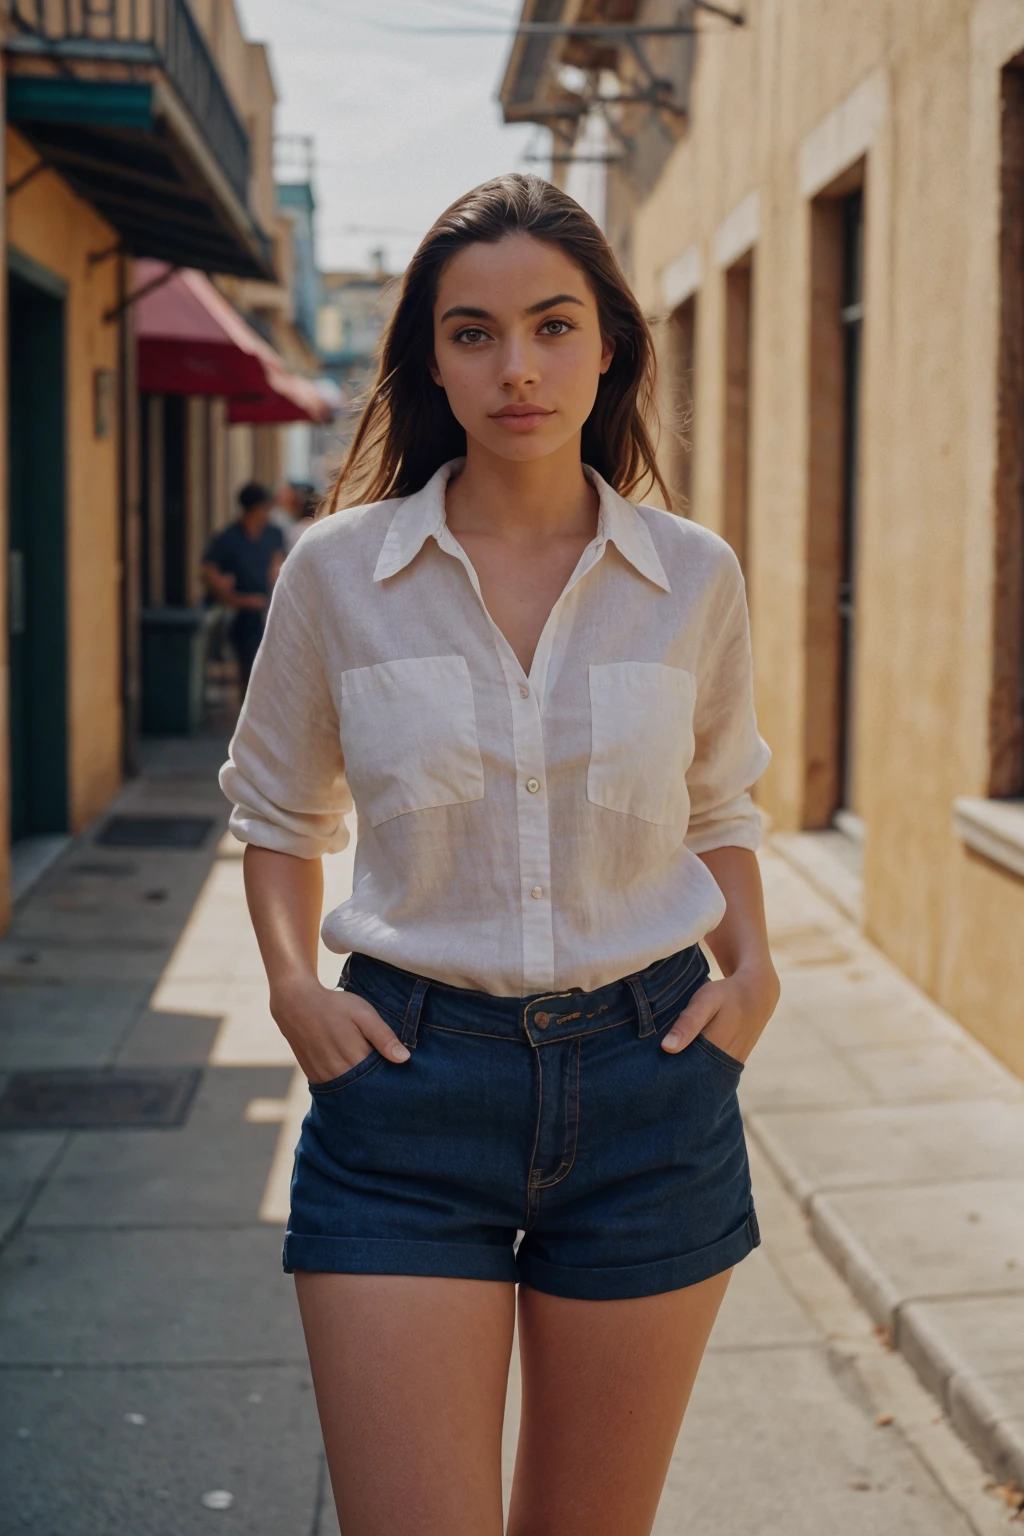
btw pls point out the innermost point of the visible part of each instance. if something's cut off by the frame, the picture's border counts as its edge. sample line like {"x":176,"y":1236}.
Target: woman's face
{"x":517,"y":346}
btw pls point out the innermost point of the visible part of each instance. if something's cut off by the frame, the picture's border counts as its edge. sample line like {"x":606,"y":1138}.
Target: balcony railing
{"x":161,"y":33}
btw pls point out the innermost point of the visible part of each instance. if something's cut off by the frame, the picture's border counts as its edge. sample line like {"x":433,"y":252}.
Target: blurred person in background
{"x":290,"y":511}
{"x":308,"y":502}
{"x":241,"y":565}
{"x":538,"y":695}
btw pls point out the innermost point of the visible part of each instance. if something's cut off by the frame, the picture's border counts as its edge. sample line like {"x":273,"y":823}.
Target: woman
{"x":538,"y":696}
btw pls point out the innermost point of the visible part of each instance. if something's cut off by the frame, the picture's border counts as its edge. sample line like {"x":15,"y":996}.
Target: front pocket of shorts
{"x":408,"y":734}
{"x":716,"y":1053}
{"x":641,"y":740}
{"x":361,"y":1069}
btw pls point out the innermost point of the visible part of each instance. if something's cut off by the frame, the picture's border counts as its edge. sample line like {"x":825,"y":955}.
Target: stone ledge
{"x":814,"y":855}
{"x":993,"y":828}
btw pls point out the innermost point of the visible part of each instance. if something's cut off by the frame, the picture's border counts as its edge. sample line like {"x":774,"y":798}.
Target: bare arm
{"x":223,"y":588}
{"x":733,"y":1012}
{"x":329,"y":1031}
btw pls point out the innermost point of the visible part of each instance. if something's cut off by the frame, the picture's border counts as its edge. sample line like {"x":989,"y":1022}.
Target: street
{"x":153,"y":1368}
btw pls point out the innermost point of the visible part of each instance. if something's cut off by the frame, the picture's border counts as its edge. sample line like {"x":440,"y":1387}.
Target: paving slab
{"x":859,"y":1014}
{"x":760,"y":1311}
{"x":169,"y":1040}
{"x":24,"y":1157}
{"x":76,"y":1461}
{"x":940,"y":1069}
{"x":841,"y":1148}
{"x":983,"y":1335}
{"x":161,"y":1297}
{"x":771,"y":1446}
{"x":209,"y":1172}
{"x":63,"y":1025}
{"x":970,"y":1353}
{"x":10,"y":1214}
{"x":924,"y":1242}
{"x":793,"y":1065}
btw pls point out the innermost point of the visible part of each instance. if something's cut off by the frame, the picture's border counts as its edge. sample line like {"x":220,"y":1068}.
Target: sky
{"x":404,"y":119}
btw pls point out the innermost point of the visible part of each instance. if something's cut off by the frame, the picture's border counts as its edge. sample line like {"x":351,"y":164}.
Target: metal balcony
{"x":124,"y":99}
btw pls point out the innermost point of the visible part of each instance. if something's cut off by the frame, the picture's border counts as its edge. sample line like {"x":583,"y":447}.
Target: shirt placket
{"x":527,"y":696}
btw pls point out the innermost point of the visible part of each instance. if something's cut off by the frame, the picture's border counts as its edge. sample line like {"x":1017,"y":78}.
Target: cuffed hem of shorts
{"x":392,"y":1256}
{"x":631,"y":1281}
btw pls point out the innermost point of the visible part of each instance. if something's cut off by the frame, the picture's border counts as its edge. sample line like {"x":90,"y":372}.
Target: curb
{"x":968,"y":1400}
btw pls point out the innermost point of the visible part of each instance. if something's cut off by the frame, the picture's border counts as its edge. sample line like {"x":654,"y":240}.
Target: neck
{"x":542,"y":498}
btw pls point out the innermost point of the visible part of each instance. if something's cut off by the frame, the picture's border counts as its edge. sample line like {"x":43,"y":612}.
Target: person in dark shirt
{"x":240,"y":567}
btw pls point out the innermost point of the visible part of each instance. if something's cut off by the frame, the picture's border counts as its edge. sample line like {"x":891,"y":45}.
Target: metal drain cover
{"x":89,"y":1099}
{"x":155,"y":832}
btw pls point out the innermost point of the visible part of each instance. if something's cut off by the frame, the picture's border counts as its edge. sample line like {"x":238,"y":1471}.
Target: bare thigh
{"x":605,"y":1387}
{"x":410,"y":1375}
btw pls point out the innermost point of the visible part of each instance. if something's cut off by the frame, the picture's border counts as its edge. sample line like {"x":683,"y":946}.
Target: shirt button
{"x":537,"y":892}
{"x":524,"y":692}
{"x":533,"y":785}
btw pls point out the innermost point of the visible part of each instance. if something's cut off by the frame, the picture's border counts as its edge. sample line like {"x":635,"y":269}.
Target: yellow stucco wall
{"x":914,"y":86}
{"x":48,"y":223}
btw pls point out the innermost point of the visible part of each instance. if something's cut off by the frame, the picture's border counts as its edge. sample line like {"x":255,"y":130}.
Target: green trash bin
{"x":173,"y":669}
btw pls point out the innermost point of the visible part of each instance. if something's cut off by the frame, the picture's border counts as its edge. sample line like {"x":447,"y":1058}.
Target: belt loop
{"x":411,"y":1022}
{"x":643,"y":1007}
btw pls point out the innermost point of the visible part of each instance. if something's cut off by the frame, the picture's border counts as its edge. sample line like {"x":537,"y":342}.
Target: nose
{"x":518,"y":364}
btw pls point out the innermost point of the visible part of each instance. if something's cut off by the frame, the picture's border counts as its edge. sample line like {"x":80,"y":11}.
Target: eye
{"x":470,"y":334}
{"x":562,"y":327}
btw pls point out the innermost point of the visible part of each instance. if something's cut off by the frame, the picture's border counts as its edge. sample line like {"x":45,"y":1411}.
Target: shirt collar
{"x":421,"y":516}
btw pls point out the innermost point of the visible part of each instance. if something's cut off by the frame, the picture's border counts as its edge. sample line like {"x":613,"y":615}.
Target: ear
{"x":435,"y":372}
{"x":607,"y":353}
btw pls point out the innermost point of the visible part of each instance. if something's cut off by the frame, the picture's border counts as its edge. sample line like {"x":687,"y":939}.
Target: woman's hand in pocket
{"x":731,"y":1014}
{"x":330,"y":1031}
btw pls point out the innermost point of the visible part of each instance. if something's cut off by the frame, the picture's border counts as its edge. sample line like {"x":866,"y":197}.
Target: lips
{"x":521,"y":408}
{"x":521,"y":417}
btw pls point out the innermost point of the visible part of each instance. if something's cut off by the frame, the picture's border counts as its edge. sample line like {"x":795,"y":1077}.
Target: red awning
{"x":193,"y":342}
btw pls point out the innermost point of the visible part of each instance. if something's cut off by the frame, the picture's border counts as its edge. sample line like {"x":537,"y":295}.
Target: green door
{"x":37,"y":584}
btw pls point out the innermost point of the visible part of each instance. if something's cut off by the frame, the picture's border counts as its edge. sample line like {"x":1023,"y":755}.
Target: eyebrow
{"x":464,"y":312}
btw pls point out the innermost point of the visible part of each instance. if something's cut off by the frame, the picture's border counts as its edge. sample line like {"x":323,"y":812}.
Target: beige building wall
{"x":48,"y":223}
{"x":904,"y":94}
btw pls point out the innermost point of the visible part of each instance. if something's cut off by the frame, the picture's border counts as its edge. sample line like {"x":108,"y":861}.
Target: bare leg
{"x":605,"y":1387}
{"x":410,"y":1375}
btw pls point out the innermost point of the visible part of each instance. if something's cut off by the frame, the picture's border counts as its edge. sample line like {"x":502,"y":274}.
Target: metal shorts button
{"x":542,"y":1020}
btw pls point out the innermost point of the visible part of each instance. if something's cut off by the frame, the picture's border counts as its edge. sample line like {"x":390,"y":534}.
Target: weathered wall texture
{"x":48,"y":223}
{"x":904,"y":94}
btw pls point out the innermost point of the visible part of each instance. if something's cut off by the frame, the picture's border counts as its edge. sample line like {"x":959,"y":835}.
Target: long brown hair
{"x":407,"y":429}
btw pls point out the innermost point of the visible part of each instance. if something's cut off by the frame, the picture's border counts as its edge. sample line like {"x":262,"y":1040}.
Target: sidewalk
{"x":149,"y":1345}
{"x":903,"y":1141}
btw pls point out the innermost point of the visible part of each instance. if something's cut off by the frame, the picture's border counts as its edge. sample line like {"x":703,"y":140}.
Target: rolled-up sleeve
{"x":729,"y":755}
{"x":285,"y":773}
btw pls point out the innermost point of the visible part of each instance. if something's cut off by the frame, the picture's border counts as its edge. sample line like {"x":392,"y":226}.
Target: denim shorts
{"x":558,"y":1117}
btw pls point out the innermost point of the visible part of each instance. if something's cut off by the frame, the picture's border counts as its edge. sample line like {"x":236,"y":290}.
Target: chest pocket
{"x":408,"y":732}
{"x":641,"y":740}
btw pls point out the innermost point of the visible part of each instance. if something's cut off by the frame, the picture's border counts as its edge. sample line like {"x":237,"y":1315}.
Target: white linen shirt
{"x":516,"y":834}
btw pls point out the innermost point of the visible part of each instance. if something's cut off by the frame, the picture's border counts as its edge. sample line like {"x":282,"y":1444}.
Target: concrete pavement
{"x":903,"y":1141}
{"x":153,"y":1375}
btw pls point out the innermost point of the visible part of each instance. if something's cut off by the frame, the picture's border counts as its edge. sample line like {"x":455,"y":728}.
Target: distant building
{"x":354,"y":309}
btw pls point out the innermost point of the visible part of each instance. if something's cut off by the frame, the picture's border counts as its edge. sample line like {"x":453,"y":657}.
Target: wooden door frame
{"x":48,"y":810}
